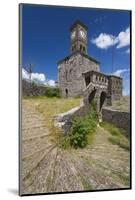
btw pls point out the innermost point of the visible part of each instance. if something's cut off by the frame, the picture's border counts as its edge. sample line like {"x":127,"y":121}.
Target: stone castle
{"x":79,"y":74}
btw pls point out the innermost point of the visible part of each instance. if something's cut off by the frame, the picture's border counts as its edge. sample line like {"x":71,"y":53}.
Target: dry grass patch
{"x":117,"y":136}
{"x":50,"y":107}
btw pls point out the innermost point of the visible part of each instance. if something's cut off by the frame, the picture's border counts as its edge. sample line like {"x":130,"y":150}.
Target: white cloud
{"x":35,"y":77}
{"x":120,"y":72}
{"x":104,"y":41}
{"x":124,"y":73}
{"x":25,"y":74}
{"x":123,"y":38}
{"x":38,"y":78}
{"x":51,"y":83}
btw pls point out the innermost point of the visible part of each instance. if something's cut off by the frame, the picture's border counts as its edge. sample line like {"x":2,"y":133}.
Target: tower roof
{"x":80,"y":23}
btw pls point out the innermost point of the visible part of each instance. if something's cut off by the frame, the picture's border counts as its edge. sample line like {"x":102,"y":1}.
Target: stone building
{"x":79,"y":74}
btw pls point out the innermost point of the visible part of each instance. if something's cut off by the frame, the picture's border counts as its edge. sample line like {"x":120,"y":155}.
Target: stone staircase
{"x":45,"y":167}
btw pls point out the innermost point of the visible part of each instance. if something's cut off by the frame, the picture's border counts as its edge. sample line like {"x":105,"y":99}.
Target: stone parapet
{"x":64,"y":120}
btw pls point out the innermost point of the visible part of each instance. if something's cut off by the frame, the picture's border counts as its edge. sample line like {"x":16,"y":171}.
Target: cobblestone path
{"x":47,"y":168}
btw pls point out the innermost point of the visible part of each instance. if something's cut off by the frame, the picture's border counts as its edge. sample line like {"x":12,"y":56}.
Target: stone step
{"x":40,"y":134}
{"x":66,"y":177}
{"x":38,"y":179}
{"x":30,"y":147}
{"x":31,"y":161}
{"x":30,"y":127}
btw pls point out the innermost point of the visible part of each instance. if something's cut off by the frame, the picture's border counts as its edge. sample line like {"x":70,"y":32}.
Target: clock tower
{"x":78,"y":35}
{"x":71,"y":79}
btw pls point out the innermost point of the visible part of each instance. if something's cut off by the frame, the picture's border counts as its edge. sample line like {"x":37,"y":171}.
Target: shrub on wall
{"x":79,"y":132}
{"x":83,"y":127}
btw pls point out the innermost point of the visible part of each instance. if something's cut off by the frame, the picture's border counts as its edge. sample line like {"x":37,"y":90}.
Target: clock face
{"x":82,"y":34}
{"x":73,"y":34}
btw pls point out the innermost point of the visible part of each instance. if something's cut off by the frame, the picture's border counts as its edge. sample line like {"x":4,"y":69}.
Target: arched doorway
{"x":66,"y":91}
{"x":102,"y":99}
{"x":91,"y":96}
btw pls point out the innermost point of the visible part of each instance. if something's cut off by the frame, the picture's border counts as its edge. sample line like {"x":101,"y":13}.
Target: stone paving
{"x":47,"y":168}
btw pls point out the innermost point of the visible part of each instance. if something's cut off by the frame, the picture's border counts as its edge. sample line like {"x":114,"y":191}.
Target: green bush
{"x":52,"y":92}
{"x":78,"y":135}
{"x":82,"y":127}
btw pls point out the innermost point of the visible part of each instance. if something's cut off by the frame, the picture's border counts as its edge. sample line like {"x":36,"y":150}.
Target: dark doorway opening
{"x":66,"y":91}
{"x":81,"y":47}
{"x":87,"y":80}
{"x":91,"y":96}
{"x":84,"y":50}
{"x":102,"y":99}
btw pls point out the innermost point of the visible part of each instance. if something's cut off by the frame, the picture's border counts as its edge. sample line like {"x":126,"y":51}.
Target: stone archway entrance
{"x":103,"y":96}
{"x":95,"y":93}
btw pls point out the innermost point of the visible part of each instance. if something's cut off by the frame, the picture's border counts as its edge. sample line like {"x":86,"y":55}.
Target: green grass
{"x":91,"y":137}
{"x":52,"y":106}
{"x":49,"y":107}
{"x":125,"y":178}
{"x":118,"y":141}
{"x":117,"y":136}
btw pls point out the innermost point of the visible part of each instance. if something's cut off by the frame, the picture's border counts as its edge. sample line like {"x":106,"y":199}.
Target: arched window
{"x":80,"y":47}
{"x":84,"y":49}
{"x":72,"y":48}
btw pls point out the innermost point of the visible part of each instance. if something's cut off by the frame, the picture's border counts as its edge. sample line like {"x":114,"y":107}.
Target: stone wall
{"x":118,"y":118}
{"x":115,"y":87}
{"x":64,"y":120}
{"x":70,"y":76}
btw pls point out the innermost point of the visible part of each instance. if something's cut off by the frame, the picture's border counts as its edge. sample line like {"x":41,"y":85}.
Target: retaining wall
{"x":64,"y":120}
{"x":118,"y":118}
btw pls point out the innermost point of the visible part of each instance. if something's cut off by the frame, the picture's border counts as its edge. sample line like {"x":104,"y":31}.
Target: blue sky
{"x":46,"y":39}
